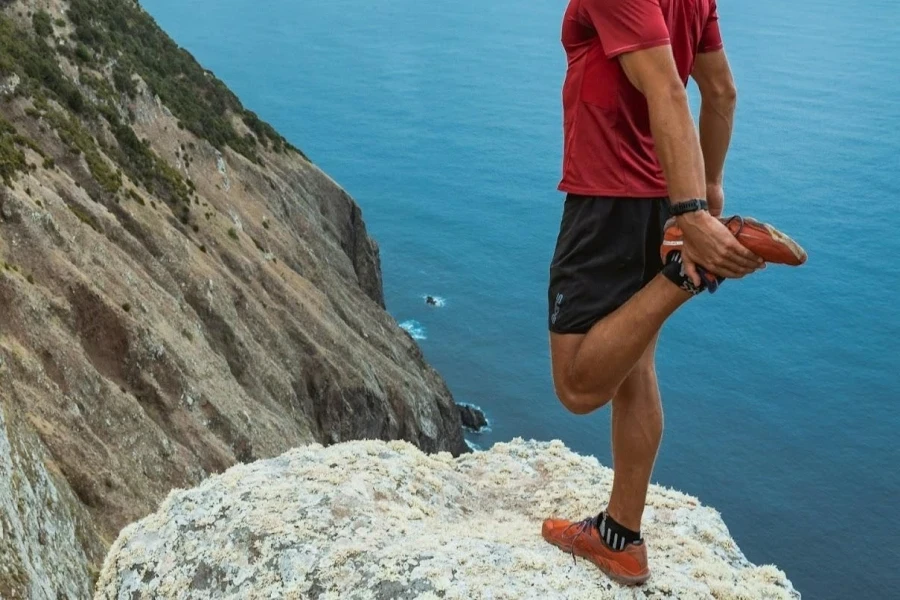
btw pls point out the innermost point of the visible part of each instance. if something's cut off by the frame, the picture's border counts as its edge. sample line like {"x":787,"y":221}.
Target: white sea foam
{"x":415,"y":329}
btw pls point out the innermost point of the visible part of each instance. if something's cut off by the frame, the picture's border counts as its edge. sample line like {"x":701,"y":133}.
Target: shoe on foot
{"x":582,"y":538}
{"x":762,"y":239}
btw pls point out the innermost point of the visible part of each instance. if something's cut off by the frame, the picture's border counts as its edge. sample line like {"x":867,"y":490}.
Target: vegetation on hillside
{"x":121,"y":33}
{"x":12,"y":158}
{"x":110,"y":42}
{"x":36,"y":63}
{"x":43,"y":25}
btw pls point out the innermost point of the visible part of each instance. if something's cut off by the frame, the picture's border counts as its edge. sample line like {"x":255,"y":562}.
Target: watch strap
{"x":688,"y":206}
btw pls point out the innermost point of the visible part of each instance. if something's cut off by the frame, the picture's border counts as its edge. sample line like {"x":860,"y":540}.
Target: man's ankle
{"x":615,"y":535}
{"x":675,"y":273}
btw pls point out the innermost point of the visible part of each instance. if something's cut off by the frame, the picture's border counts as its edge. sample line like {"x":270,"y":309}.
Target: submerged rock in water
{"x":382,"y":521}
{"x":473,"y":418}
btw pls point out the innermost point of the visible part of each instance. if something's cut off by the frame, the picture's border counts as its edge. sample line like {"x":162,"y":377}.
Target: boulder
{"x":383,"y":521}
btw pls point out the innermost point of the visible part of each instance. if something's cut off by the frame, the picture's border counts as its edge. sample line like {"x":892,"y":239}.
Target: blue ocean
{"x":443,"y":120}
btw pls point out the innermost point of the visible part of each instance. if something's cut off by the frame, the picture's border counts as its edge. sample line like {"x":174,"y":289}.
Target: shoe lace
{"x":581,"y":528}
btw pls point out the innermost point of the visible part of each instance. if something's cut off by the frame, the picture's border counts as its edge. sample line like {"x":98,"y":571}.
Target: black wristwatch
{"x":688,"y":206}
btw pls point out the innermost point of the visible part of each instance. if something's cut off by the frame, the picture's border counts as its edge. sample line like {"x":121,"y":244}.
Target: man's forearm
{"x":716,"y":125}
{"x":677,"y":144}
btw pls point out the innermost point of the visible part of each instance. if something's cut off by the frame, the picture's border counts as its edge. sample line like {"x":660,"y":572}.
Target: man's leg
{"x":612,"y":540}
{"x":608,"y":302}
{"x":589,"y":369}
{"x":637,"y":427}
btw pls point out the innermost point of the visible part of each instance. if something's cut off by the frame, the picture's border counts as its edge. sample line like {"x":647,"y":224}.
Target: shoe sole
{"x":623,"y":579}
{"x":798,"y":252}
{"x":770,"y":244}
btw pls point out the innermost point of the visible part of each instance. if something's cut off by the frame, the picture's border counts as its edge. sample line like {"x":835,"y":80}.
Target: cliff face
{"x":180,"y":289}
{"x":382,"y":521}
{"x":47,"y":542}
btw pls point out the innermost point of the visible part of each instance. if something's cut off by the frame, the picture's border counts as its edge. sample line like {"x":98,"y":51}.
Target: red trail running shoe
{"x":762,"y":239}
{"x":628,"y":566}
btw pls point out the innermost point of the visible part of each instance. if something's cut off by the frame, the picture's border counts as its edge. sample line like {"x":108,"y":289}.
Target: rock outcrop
{"x":473,"y":418}
{"x":383,"y":521}
{"x":180,"y":290}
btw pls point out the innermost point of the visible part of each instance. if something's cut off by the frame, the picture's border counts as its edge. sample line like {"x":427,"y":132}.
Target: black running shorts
{"x":607,"y":250}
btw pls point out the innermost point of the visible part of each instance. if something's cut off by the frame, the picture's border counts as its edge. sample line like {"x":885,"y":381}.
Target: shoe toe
{"x":767,"y":242}
{"x":554,"y":527}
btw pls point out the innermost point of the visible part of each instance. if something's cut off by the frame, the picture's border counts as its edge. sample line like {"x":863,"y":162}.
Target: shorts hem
{"x":571,"y":330}
{"x":617,"y":193}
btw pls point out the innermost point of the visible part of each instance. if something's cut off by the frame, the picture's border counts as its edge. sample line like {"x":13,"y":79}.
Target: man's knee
{"x":577,"y":395}
{"x":580,"y":401}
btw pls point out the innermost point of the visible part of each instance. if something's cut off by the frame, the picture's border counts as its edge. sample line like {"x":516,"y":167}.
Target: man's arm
{"x":654,"y":74}
{"x":718,"y":100}
{"x":706,"y":241}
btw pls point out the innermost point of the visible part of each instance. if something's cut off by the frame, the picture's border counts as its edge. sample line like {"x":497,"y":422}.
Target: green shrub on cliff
{"x":43,"y":24}
{"x":12,"y":152}
{"x":12,"y":158}
{"x":123,"y":81}
{"x":85,"y":217}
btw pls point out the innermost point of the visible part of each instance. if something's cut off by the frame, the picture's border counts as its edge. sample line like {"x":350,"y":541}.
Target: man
{"x":632,"y":158}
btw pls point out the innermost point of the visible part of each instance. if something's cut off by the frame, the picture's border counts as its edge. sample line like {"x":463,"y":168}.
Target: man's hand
{"x":709,"y":244}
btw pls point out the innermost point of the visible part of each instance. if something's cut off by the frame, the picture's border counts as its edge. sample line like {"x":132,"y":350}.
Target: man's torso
{"x":608,"y":146}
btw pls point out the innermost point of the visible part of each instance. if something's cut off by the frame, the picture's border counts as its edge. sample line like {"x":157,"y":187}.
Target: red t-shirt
{"x":608,"y":146}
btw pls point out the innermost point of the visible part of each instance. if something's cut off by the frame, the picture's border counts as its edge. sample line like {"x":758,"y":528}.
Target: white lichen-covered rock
{"x":373,"y":520}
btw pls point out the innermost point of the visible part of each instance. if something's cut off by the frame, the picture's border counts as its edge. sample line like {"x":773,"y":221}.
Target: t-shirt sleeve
{"x":626,"y":25}
{"x":711,"y":40}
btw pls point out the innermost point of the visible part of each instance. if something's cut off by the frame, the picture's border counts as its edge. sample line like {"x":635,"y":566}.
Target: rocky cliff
{"x":382,"y":521}
{"x":180,"y":290}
